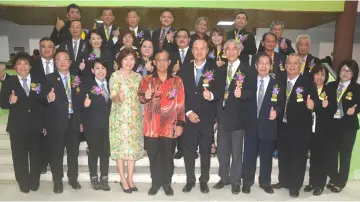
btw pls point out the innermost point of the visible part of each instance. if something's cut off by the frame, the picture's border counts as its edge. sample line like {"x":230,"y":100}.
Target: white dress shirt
{"x":293,"y":81}
{"x":346,"y":84}
{"x":28,"y":81}
{"x":266,"y":83}
{"x":234,"y":67}
{"x":51,"y":65}
{"x":77,"y":46}
{"x":101,"y":82}
{"x":185,"y":51}
{"x":135,"y":30}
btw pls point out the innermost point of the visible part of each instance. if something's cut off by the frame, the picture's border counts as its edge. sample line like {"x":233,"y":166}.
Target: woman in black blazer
{"x":344,"y":123}
{"x":319,"y":145}
{"x":145,"y":64}
{"x":216,"y":42}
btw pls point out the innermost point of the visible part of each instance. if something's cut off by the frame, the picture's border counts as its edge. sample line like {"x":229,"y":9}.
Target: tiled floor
{"x":9,"y":192}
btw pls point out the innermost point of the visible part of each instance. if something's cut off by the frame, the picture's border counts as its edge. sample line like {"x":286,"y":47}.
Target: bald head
{"x":200,"y":50}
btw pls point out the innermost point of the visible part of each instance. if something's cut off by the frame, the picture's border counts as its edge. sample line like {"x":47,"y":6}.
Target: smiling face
{"x":62,"y":61}
{"x":345,"y":74}
{"x":128,"y":62}
{"x":202,"y":26}
{"x":132,"y":19}
{"x":319,"y":77}
{"x":99,"y":71}
{"x":263,"y":66}
{"x":269,"y":43}
{"x":293,"y":65}
{"x":277,"y":30}
{"x":108,"y":17}
{"x":166,"y":19}
{"x":22,"y":67}
{"x":147,"y":49}
{"x":232,"y":52}
{"x":162,"y":62}
{"x":182,"y":39}
{"x":95,"y":40}
{"x":216,"y":38}
{"x":75,"y":29}
{"x":47,"y":49}
{"x":128,"y":40}
{"x":200,"y":50}
{"x":73,"y":14}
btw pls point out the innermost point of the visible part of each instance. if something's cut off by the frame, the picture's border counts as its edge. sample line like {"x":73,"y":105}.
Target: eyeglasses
{"x":62,"y":59}
{"x":161,"y":60}
{"x":346,"y":71}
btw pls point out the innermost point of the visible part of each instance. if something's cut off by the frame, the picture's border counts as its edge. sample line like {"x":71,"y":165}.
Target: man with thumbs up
{"x":20,"y":94}
{"x":61,"y":30}
{"x":163,"y":38}
{"x":108,"y":30}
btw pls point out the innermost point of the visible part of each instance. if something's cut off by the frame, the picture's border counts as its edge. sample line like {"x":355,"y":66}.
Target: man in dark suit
{"x":133,"y":19}
{"x":61,"y":30}
{"x":242,"y":36}
{"x":20,"y":94}
{"x":261,"y":130}
{"x":40,"y":68}
{"x":295,"y":126}
{"x":200,"y":103}
{"x":278,"y":60}
{"x":231,"y":115}
{"x":61,"y":93}
{"x":307,"y":60}
{"x":163,"y":38}
{"x":283,"y":44}
{"x":76,"y":47}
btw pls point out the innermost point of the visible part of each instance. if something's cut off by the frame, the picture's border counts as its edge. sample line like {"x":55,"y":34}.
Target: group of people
{"x":128,"y":91}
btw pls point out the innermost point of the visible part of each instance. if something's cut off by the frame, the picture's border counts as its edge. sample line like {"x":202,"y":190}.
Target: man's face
{"x":232,"y":52}
{"x":75,"y":29}
{"x":240,"y":20}
{"x":62,"y":61}
{"x":166,"y":19}
{"x":263,"y":66}
{"x":108,"y":17}
{"x":162,"y":62}
{"x":277,"y":30}
{"x":303,"y":46}
{"x":200,"y":50}
{"x":47,"y":49}
{"x":22,"y":68}
{"x":269,"y":43}
{"x":73,"y":14}
{"x":293,"y":65}
{"x":132,"y":19}
{"x":182,"y":39}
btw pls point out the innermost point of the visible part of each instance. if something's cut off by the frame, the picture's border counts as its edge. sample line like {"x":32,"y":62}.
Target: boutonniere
{"x":281,"y":66}
{"x":36,"y":87}
{"x":211,"y":55}
{"x":239,"y":78}
{"x":92,"y":56}
{"x":140,"y":34}
{"x":349,"y":96}
{"x":322,"y":95}
{"x":58,"y":78}
{"x":311,"y":65}
{"x":172,"y":93}
{"x":208,"y":76}
{"x":241,"y":38}
{"x":299,"y":96}
{"x":75,"y":82}
{"x":140,"y":69}
{"x":275,"y":93}
{"x":96,"y":90}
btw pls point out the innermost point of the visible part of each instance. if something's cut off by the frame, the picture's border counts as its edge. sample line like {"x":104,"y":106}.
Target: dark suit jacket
{"x":82,"y":51}
{"x":348,"y":123}
{"x":278,"y":64}
{"x":212,"y":55}
{"x":37,"y":69}
{"x":285,"y":52}
{"x":299,"y":117}
{"x":175,"y":56}
{"x":140,"y":67}
{"x":57,"y":111}
{"x":194,"y":37}
{"x":233,"y":115}
{"x":104,"y":55}
{"x":167,"y":45}
{"x":311,"y":61}
{"x":95,"y":116}
{"x":262,"y":126}
{"x":108,"y":44}
{"x":59,"y":36}
{"x":27,"y":114}
{"x":249,"y":44}
{"x":194,"y":99}
{"x":145,"y":34}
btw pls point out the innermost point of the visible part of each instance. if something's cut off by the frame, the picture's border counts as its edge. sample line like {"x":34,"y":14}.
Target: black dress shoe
{"x":204,"y":188}
{"x":267,"y":188}
{"x":44,"y":170}
{"x":246,"y":189}
{"x":318,"y":191}
{"x":235,"y":189}
{"x":221,"y":184}
{"x":188,"y":187}
{"x":153,"y":190}
{"x":336,"y":189}
{"x":104,"y":183}
{"x":128,"y":191}
{"x":95,"y":184}
{"x":294,"y":193}
{"x":308,"y":188}
{"x":35,"y":187}
{"x":178,"y":155}
{"x":25,"y":190}
{"x":58,"y":188}
{"x":277,"y":186}
{"x":168,"y":190}
{"x":74,"y":184}
{"x":329,"y":185}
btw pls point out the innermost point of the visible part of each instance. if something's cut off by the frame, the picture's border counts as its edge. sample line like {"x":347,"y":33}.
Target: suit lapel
{"x":20,"y":91}
{"x":60,"y":84}
{"x":71,"y":49}
{"x":204,"y":69}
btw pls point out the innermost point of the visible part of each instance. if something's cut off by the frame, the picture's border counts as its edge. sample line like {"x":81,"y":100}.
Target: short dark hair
{"x":97,"y":32}
{"x":61,"y":51}
{"x":163,"y":51}
{"x":76,"y":21}
{"x":319,"y":68}
{"x":132,"y":10}
{"x":353,"y":66}
{"x":260,"y":55}
{"x":125,"y":52}
{"x":45,"y":39}
{"x":72,"y":6}
{"x":241,"y":12}
{"x":22,"y":55}
{"x":36,"y":52}
{"x":107,"y":9}
{"x":167,"y":10}
{"x":102,"y":62}
{"x":182,"y":30}
{"x":269,"y":33}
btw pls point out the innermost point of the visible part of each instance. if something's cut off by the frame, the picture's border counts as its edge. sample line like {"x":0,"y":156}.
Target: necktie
{"x":47,"y":68}
{"x":75,"y":49}
{"x":25,"y":86}
{"x":198,"y":75}
{"x":288,"y":92}
{"x":182,"y":55}
{"x":229,"y":74}
{"x":260,"y":96}
{"x":107,"y":32}
{"x":338,"y":94}
{"x":106,"y":93}
{"x":68,"y":93}
{"x":162,"y":38}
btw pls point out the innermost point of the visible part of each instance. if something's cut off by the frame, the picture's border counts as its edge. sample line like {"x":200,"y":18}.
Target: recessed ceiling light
{"x":99,"y":21}
{"x":227,"y":23}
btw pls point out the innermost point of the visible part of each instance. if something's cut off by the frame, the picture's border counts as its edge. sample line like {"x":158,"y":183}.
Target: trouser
{"x":45,"y":150}
{"x":160,"y":151}
{"x":99,"y":148}
{"x":319,"y":151}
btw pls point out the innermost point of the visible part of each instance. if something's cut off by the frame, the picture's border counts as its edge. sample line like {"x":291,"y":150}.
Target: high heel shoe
{"x":125,"y":190}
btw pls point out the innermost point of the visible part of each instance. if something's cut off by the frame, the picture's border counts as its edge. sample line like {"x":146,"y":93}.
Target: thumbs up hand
{"x":170,"y":36}
{"x":82,"y":65}
{"x":272,"y":114}
{"x":94,"y":26}
{"x":51,"y":95}
{"x":117,"y":32}
{"x":309,"y":103}
{"x":176,"y":67}
{"x":207,"y":94}
{"x":351,"y":110}
{"x":237,"y":91}
{"x":219,"y":62}
{"x":325,"y":102}
{"x":13,"y":98}
{"x":87,"y":101}
{"x":59,"y":24}
{"x":122,"y":95}
{"x":148,"y":92}
{"x":148,"y":66}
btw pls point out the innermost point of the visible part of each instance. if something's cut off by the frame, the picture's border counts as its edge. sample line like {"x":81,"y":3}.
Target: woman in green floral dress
{"x":126,"y":132}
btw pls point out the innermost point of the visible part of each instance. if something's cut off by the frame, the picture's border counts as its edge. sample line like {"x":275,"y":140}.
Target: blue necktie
{"x":198,"y":75}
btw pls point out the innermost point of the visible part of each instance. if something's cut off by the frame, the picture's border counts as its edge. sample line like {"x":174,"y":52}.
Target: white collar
{"x":135,"y":29}
{"x":346,"y":83}
{"x":293,"y":80}
{"x":100,"y":83}
{"x":235,"y":64}
{"x":73,"y":40}
{"x":44,"y":61}
{"x":185,"y":49}
{"x":200,"y":66}
{"x":264,"y":79}
{"x":134,"y":47}
{"x":110,"y":27}
{"x":28,"y":78}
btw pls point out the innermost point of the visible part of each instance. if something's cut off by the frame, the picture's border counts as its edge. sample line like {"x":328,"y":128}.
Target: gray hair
{"x":304,"y":36}
{"x":239,"y":46}
{"x":276,"y":22}
{"x":294,"y":55}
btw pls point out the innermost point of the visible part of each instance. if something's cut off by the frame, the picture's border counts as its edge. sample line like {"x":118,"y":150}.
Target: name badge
{"x":299,"y":100}
{"x":337,"y":114}
{"x":226,"y":95}
{"x":206,"y":85}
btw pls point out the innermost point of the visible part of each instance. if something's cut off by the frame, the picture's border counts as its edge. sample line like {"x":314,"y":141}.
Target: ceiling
{"x":184,"y":17}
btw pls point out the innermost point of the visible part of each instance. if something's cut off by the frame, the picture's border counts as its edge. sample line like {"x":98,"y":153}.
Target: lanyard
{"x":319,"y":91}
{"x":342,"y":93}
